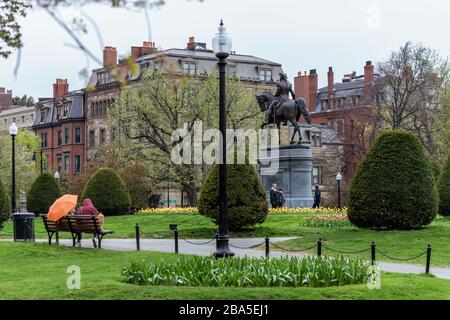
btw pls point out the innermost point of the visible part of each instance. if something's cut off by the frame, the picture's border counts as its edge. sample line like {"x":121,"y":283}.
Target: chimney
{"x":191,"y":44}
{"x":60,"y":89}
{"x":368,"y":80}
{"x":312,"y":89}
{"x":5,"y":97}
{"x":148,"y":48}
{"x":301,"y":85}
{"x":109,"y":57}
{"x":330,"y":76}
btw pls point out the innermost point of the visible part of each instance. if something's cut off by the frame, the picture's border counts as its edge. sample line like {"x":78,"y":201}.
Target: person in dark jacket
{"x":316,"y":203}
{"x":275,"y":196}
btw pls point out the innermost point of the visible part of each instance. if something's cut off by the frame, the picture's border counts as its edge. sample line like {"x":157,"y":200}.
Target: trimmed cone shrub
{"x":44,"y":191}
{"x":108,"y":192}
{"x":393,"y":187}
{"x":444,"y":189}
{"x":5,"y":206}
{"x":247,"y":203}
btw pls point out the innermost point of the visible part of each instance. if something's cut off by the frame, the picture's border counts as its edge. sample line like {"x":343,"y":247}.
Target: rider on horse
{"x":282,"y":95}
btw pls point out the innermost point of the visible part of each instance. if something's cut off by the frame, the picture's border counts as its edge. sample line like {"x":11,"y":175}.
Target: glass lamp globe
{"x":13,"y":129}
{"x":222,"y":43}
{"x":57,"y":176}
{"x":339,"y":176}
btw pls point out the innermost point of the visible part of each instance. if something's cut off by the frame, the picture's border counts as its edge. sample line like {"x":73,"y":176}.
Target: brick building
{"x":347,"y":107}
{"x":60,"y":123}
{"x":22,"y":114}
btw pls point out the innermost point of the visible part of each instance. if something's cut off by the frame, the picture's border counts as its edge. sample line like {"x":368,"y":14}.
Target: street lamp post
{"x":57,"y":176}
{"x":222,"y":47}
{"x":338,"y":179}
{"x":13,"y":132}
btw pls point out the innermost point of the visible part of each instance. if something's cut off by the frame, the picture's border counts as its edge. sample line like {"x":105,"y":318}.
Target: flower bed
{"x":249,"y":272}
{"x":335,"y":220}
{"x":302,"y":211}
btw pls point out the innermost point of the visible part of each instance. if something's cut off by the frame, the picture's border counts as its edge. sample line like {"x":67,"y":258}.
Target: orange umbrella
{"x":62,"y":206}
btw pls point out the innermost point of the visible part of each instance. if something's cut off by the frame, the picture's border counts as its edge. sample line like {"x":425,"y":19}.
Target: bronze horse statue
{"x":289,"y":110}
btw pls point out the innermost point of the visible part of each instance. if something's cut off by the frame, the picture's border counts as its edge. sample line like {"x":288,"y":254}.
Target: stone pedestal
{"x":293,"y":175}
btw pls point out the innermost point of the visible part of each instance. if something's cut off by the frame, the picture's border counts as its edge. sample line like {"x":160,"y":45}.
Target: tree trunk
{"x":192,"y":194}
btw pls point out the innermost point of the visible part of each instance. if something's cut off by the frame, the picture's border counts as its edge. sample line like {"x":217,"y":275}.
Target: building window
{"x":317,"y":175}
{"x":59,"y":138}
{"x":92,"y":138}
{"x":77,"y":135}
{"x":66,"y":110}
{"x":102,"y":136}
{"x":59,"y":162}
{"x":157,"y":67}
{"x":104,"y":77}
{"x":66,"y":136}
{"x":232,"y":71}
{"x":113,"y":134}
{"x":316,"y":139}
{"x":340,"y":127}
{"x":189,"y":68}
{"x":43,"y":140}
{"x":67,"y":163}
{"x":43,"y":116}
{"x":58,"y":113}
{"x":265,"y":75}
{"x":77,"y":164}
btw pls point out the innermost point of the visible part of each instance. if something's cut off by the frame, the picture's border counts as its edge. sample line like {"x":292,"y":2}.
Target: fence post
{"x":175,"y":233}
{"x":319,"y":247}
{"x":267,"y":246}
{"x":373,"y":248}
{"x":138,"y":238}
{"x":427,"y":268}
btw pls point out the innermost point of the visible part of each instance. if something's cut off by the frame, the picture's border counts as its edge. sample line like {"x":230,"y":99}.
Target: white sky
{"x":301,"y":35}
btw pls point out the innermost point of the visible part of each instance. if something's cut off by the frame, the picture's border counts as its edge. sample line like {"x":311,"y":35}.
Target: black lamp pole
{"x":13,"y":174}
{"x":222,"y":248}
{"x":42,"y":162}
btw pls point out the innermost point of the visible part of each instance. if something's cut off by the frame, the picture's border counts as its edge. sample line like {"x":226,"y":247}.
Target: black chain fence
{"x":319,"y":247}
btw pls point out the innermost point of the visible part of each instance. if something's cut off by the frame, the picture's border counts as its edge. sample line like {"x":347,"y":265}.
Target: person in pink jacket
{"x":87,"y":209}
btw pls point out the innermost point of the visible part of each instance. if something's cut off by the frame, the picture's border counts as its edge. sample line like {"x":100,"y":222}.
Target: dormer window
{"x":66,"y":110}
{"x":232,"y":71}
{"x":43,"y":115}
{"x":103,"y":77}
{"x":265,"y":75}
{"x":189,"y":68}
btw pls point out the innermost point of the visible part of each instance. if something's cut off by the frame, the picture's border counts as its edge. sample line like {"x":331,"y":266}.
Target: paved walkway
{"x":236,"y":244}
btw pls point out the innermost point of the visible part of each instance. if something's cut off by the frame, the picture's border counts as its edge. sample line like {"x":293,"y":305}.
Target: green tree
{"x":26,"y":143}
{"x":393,"y":187}
{"x":5,"y":207}
{"x":44,"y":191}
{"x":247,"y":203}
{"x":108,"y":192}
{"x":444,"y":189}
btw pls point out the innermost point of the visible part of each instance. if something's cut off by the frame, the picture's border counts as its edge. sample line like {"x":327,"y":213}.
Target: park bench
{"x":75,"y":225}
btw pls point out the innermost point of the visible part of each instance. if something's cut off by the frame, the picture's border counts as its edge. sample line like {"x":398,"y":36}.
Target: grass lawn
{"x":400,"y":244}
{"x":37,"y":271}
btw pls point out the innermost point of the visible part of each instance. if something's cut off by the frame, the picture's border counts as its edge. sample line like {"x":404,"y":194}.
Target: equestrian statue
{"x":279,"y":108}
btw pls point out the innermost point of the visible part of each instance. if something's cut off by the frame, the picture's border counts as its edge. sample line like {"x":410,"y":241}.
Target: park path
{"x":205,"y":247}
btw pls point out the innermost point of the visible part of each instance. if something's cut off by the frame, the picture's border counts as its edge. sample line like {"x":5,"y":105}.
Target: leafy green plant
{"x":249,"y":272}
{"x":444,"y":189}
{"x":5,"y":206}
{"x":247,"y":203}
{"x":108,"y":192}
{"x":394,"y":186}
{"x":44,"y":191}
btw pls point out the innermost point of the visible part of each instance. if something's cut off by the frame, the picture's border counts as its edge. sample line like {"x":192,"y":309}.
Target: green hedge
{"x":108,"y":192}
{"x":5,"y":206}
{"x":393,"y":187}
{"x":444,"y":189}
{"x":44,"y":191}
{"x":247,"y":203}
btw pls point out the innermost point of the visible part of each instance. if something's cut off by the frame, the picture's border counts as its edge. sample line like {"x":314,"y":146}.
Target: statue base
{"x":290,"y":167}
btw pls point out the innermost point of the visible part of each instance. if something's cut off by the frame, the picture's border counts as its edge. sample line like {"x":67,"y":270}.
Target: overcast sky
{"x":301,"y":35}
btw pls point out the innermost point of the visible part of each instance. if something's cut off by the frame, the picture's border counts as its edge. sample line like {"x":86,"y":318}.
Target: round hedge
{"x":5,"y":206}
{"x":393,"y":187}
{"x":44,"y":191}
{"x":444,"y":189}
{"x":247,"y":203}
{"x":108,"y":192}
